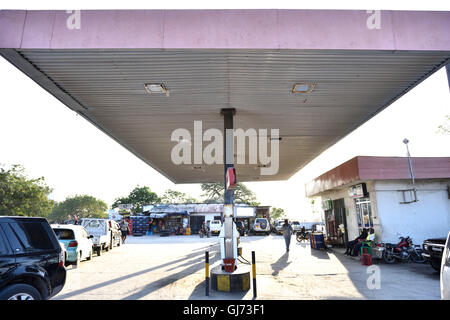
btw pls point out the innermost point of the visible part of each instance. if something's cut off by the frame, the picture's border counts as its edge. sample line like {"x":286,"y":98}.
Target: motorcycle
{"x":402,"y":251}
{"x":204,"y":232}
{"x":302,"y":236}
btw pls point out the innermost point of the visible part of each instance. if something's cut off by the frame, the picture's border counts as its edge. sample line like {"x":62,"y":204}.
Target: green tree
{"x":138,"y":197}
{"x":174,"y":196}
{"x":21,"y":196}
{"x":214,"y":193}
{"x":83,"y":206}
{"x":277,"y":213}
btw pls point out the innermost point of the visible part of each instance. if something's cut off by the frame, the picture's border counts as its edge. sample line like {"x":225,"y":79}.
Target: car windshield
{"x":94,"y":224}
{"x":260,"y":220}
{"x":296,"y":223}
{"x":215,"y":222}
{"x":64,"y":234}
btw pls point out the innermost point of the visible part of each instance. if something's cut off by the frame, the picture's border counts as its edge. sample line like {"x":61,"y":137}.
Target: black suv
{"x":31,"y":259}
{"x":433,"y":249}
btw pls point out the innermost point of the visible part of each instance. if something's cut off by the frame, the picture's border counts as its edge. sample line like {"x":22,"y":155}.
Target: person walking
{"x":287,"y":233}
{"x":125,"y":230}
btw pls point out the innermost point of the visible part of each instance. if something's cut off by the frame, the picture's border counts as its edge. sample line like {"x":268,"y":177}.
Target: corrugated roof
{"x":352,"y":86}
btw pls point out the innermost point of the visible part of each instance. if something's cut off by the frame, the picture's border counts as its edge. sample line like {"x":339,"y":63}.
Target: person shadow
{"x":280,"y":264}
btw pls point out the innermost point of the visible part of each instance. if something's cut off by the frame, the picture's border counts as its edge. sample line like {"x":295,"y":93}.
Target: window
{"x":32,"y":236}
{"x":95,"y":224}
{"x":364,"y":213}
{"x":3,"y":248}
{"x":64,"y":234}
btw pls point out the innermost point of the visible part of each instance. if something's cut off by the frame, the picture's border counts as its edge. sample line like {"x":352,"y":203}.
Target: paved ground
{"x":173,"y":268}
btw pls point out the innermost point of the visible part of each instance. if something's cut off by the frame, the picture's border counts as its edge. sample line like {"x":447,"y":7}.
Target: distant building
{"x":377,"y":192}
{"x":195,"y":214}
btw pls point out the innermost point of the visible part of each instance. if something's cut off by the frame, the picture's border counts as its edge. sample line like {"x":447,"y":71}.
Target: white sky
{"x":50,"y":140}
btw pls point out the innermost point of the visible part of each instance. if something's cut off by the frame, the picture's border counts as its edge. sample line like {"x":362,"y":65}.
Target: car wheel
{"x":20,"y":291}
{"x":435,"y":263}
{"x":90,"y":256}
{"x":106,"y":248}
{"x":99,"y":251}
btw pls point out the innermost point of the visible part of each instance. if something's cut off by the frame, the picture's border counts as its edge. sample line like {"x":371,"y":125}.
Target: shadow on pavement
{"x":395,"y":283}
{"x":280,"y":264}
{"x":320,"y":254}
{"x":194,"y":256}
{"x":160,"y":283}
{"x":199,"y":294}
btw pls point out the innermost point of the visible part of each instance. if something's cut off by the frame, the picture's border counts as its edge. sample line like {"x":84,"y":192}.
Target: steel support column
{"x":228,"y":150}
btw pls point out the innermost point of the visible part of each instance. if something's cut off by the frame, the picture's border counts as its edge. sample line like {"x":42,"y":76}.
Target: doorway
{"x":336,"y":221}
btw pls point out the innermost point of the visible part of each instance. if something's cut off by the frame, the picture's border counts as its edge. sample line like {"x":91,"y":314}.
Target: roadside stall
{"x":157,"y":222}
{"x":169,"y":219}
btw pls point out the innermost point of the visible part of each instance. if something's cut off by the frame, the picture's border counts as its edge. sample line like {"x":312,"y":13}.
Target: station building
{"x":378,"y":192}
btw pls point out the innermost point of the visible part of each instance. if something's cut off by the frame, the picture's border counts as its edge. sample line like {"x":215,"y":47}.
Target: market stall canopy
{"x":353,"y":64}
{"x":157,"y":215}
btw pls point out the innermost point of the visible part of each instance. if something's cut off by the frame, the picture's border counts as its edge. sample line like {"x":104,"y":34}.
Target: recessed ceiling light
{"x":155,"y":88}
{"x":303,"y":87}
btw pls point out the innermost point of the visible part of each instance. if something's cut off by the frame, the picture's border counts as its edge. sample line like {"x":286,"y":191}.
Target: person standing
{"x":287,"y":233}
{"x":125,"y":230}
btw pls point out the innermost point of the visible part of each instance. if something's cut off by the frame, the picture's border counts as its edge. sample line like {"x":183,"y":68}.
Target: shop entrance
{"x":336,"y":223}
{"x":196,"y":223}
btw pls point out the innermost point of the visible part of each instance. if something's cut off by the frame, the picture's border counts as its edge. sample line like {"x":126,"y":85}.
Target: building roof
{"x":363,"y":168}
{"x":249,"y":60}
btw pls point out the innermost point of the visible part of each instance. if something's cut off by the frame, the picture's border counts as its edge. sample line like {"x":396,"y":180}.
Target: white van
{"x":106,"y":233}
{"x":215,"y":226}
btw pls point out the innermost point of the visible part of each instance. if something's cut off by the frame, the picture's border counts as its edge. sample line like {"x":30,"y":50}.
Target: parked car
{"x":105,"y":233}
{"x":215,"y":226}
{"x":261,"y":225}
{"x":279,"y":226}
{"x":296,"y":226}
{"x":76,"y":240}
{"x":433,"y":249}
{"x":31,"y":260}
{"x":445,"y":271}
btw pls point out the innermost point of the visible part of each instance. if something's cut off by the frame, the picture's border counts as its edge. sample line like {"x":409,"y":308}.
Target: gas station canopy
{"x":98,"y":62}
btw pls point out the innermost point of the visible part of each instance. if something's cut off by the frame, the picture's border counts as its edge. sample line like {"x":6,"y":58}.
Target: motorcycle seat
{"x":390,"y":244}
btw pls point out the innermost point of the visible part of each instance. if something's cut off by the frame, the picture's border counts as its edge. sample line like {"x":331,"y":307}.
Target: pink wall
{"x":379,"y":168}
{"x":226,"y":29}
